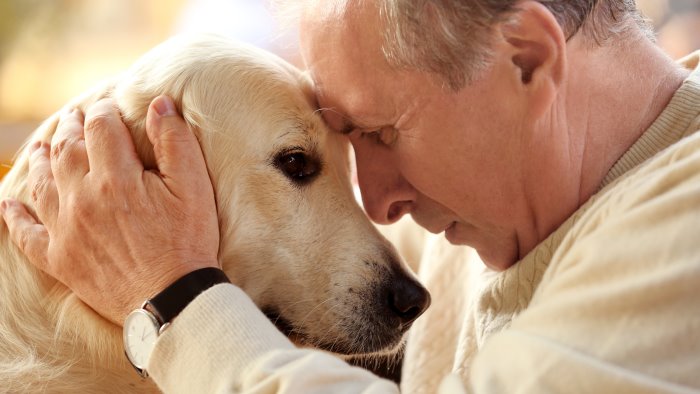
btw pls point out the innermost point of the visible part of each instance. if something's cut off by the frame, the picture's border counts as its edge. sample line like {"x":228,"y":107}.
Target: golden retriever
{"x":292,"y":234}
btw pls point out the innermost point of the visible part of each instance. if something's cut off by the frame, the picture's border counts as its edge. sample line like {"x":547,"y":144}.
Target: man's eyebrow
{"x":347,"y":127}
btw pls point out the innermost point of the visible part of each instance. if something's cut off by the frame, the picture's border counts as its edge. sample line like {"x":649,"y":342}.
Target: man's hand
{"x":112,"y":232}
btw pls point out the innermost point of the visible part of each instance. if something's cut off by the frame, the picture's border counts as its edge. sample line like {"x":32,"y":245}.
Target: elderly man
{"x":551,"y":136}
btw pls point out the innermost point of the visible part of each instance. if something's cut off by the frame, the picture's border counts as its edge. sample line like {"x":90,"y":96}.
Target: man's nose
{"x":386,"y":195}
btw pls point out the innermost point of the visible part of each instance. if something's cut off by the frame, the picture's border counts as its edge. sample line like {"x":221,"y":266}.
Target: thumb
{"x":30,"y":236}
{"x":178,"y":154}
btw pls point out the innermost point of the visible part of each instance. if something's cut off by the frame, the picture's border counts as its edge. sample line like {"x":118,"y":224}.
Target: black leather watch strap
{"x":170,"y":302}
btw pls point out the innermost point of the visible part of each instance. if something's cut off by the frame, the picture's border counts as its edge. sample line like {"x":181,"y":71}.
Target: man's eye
{"x":374,"y":135}
{"x":388,"y":135}
{"x":385,"y":136}
{"x":297,"y":166}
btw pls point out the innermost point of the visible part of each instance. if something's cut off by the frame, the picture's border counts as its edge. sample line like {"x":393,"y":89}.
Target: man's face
{"x":453,"y":160}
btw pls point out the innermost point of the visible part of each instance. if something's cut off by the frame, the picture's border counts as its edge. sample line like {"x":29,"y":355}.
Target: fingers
{"x":68,"y":157}
{"x":178,"y":154}
{"x":41,"y":183}
{"x":110,"y":148}
{"x":30,"y":236}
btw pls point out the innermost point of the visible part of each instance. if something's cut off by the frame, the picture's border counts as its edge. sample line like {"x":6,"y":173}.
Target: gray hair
{"x":450,"y":38}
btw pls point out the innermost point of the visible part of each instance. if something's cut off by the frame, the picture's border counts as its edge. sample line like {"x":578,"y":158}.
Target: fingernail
{"x":66,"y":111}
{"x":34,"y":146}
{"x":164,"y":106}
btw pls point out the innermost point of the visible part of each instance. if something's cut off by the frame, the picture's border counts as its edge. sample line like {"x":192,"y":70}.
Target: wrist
{"x":156,"y":281}
{"x":143,"y":326}
{"x":170,"y":301}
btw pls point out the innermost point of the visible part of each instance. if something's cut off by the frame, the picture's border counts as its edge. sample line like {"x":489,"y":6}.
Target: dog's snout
{"x":407,"y":299}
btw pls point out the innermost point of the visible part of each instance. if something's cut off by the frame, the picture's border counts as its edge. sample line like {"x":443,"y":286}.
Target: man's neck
{"x":627,"y":87}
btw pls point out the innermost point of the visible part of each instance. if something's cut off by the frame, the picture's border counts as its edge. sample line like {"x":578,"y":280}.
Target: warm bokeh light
{"x":4,"y":169}
{"x":53,"y":50}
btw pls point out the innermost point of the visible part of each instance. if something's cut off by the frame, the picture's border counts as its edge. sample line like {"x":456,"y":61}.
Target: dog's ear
{"x":134,"y":107}
{"x":134,"y":94}
{"x":48,"y":128}
{"x":16,"y":179}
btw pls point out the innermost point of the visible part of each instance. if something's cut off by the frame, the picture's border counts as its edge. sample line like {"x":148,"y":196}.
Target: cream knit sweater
{"x":608,"y":303}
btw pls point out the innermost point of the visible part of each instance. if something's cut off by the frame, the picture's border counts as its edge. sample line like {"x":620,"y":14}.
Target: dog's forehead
{"x":302,"y":128}
{"x":235,"y":94}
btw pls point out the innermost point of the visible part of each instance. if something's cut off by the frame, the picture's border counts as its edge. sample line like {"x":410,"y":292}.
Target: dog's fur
{"x":303,"y":251}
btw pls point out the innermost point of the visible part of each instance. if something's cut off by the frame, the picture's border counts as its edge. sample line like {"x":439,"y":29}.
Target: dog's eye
{"x":297,"y":166}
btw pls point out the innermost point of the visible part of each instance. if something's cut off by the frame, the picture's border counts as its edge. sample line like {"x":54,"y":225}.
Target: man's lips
{"x":440,"y":229}
{"x":450,"y":232}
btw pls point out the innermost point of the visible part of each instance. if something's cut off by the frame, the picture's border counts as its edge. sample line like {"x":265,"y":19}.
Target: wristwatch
{"x":143,"y":326}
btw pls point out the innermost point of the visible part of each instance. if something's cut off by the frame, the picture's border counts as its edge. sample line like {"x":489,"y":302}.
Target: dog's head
{"x":292,"y":234}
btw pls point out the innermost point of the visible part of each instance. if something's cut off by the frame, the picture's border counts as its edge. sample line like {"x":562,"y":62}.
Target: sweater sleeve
{"x":222,"y":343}
{"x":618,"y":309}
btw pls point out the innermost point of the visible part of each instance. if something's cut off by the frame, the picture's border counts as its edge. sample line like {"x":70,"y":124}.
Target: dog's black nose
{"x":407,"y":299}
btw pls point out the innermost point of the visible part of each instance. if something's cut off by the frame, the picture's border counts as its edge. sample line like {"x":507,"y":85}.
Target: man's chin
{"x":493,"y":257}
{"x":496,"y":261}
{"x":460,"y":234}
{"x":451,"y":236}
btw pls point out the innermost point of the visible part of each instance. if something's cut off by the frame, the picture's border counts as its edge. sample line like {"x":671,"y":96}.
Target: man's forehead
{"x":323,"y":11}
{"x":338,"y":58}
{"x":318,"y":88}
{"x":334,"y":116}
{"x":339,"y":117}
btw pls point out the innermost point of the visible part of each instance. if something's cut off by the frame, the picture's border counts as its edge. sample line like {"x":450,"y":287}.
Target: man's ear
{"x":536,"y":43}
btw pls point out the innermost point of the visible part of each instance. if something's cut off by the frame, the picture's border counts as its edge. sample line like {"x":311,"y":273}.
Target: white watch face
{"x":140,"y":334}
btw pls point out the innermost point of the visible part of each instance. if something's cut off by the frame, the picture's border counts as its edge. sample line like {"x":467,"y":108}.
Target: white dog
{"x":292,"y":235}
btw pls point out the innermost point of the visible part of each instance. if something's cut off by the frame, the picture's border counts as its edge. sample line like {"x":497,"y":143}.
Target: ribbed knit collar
{"x":680,"y":118}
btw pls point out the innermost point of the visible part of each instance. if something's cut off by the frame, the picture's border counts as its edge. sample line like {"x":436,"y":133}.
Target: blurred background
{"x":52,"y":50}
